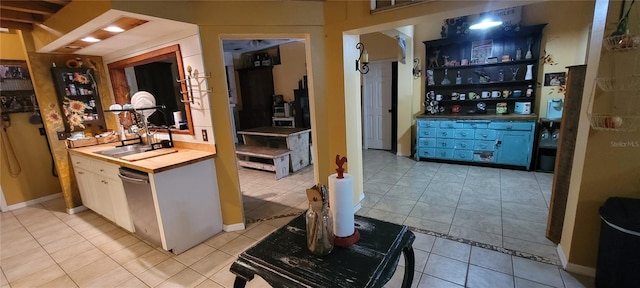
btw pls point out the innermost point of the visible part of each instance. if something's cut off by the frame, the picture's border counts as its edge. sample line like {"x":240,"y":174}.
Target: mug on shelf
{"x":439,"y":97}
{"x":496,"y":94}
{"x":517,"y":93}
{"x":485,"y":94}
{"x":463,"y":96}
{"x":455,"y":96}
{"x":506,"y":93}
{"x":472,"y":95}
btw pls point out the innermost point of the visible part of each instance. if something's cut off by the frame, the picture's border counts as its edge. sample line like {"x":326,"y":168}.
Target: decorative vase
{"x":529,"y":74}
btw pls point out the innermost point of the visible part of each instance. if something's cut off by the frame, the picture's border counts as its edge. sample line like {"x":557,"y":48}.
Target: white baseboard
{"x":233,"y":227}
{"x":574,"y":268}
{"x":359,"y":205}
{"x":77,"y":209}
{"x":33,"y":202}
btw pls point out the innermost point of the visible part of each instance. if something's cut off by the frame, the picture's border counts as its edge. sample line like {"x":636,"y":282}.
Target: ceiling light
{"x":113,"y":28}
{"x":90,"y":39}
{"x":485,"y":23}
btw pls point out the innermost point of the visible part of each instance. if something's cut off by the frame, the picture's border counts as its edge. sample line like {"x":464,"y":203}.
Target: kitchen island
{"x":183,"y":185}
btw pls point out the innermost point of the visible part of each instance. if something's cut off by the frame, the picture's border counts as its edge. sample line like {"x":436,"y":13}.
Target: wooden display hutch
{"x":485,"y":55}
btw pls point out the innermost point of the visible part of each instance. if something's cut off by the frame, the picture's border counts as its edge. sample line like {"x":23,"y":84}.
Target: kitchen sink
{"x":123,"y":151}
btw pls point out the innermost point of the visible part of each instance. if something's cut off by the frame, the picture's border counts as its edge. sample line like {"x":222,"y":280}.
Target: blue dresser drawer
{"x":483,"y":134}
{"x":487,"y":157}
{"x":464,"y":144}
{"x":444,"y":153}
{"x":521,"y":126}
{"x":427,"y":132}
{"x":466,"y":155}
{"x":427,"y":152}
{"x":445,"y":133}
{"x":427,"y":142}
{"x":444,"y":143}
{"x":464,"y":133}
{"x":476,"y":125}
{"x":427,"y":123}
{"x":450,"y":124}
{"x":481,"y":145}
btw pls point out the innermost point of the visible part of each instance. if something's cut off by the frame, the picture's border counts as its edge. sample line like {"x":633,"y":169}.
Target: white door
{"x":377,"y":106}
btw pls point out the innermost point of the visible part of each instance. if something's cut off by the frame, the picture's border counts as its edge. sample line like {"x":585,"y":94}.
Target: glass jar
{"x":319,"y":229}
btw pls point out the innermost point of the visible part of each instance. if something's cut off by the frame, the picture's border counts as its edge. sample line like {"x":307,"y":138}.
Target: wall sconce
{"x":362,"y":63}
{"x":417,"y":72}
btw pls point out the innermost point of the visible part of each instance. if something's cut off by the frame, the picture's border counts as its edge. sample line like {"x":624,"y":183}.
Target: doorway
{"x":377,"y":100}
{"x":283,"y":70}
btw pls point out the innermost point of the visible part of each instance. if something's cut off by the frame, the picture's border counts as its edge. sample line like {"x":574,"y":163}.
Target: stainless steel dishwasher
{"x":140,"y":198}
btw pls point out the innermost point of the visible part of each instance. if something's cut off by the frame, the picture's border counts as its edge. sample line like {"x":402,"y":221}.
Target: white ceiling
{"x":152,"y":33}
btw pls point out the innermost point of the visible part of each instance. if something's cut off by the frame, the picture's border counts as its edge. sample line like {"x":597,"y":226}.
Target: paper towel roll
{"x":177,"y":117}
{"x":341,"y":203}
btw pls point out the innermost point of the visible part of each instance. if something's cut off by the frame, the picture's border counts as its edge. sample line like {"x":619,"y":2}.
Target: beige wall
{"x":606,"y":169}
{"x":34,"y":178}
{"x":291,"y":69}
{"x":564,"y":38}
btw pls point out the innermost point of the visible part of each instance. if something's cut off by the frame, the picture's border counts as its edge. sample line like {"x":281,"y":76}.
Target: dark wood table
{"x":283,"y":260}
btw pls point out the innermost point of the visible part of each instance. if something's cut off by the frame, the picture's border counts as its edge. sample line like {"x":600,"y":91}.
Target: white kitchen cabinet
{"x":101,"y":190}
{"x":85,"y":185}
{"x":187,"y":204}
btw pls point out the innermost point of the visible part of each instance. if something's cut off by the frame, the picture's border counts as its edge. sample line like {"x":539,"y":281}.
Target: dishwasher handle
{"x":133,"y":180}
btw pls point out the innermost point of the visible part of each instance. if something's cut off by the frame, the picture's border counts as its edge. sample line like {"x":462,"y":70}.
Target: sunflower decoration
{"x":74,"y":110}
{"x":54,"y":117}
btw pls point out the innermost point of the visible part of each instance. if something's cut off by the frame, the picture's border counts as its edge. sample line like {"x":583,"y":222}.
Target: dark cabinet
{"x":490,"y":67}
{"x":78,"y":98}
{"x":256,"y":92}
{"x":303,"y":114}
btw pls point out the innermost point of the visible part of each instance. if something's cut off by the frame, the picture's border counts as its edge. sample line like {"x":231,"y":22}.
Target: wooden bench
{"x":264,"y":158}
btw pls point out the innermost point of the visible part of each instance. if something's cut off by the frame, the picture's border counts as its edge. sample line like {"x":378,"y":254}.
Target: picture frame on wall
{"x":481,"y":50}
{"x":555,"y":79}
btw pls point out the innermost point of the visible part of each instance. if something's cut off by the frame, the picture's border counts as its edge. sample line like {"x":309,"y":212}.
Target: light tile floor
{"x":42,"y":246}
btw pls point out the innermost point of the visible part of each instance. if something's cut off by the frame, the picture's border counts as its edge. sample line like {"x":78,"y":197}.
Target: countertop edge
{"x":512,"y":117}
{"x":133,"y":164}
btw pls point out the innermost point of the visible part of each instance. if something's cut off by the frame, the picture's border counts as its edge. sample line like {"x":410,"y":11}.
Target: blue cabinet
{"x":486,"y":141}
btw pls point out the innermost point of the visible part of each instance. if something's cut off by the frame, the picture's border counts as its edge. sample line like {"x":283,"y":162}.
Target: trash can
{"x":619,"y":248}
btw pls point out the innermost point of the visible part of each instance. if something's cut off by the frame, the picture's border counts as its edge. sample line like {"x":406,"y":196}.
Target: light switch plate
{"x":61,"y":135}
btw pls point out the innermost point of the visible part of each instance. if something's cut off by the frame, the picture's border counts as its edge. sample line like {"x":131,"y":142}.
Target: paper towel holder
{"x":353,"y":238}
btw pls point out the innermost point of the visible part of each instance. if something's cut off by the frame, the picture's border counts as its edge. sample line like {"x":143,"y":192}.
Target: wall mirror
{"x":155,"y":72}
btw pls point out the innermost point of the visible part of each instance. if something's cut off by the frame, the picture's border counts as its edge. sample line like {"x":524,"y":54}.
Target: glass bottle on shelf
{"x":519,"y":54}
{"x":445,"y":81}
{"x":501,"y":75}
{"x":458,"y":78}
{"x":529,"y":92}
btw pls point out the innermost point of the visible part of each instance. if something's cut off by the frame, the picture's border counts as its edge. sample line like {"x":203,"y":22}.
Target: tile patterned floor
{"x":42,"y":246}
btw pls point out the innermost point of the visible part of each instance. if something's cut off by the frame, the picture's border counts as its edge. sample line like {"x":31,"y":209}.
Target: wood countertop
{"x":151,"y":161}
{"x":488,"y":116}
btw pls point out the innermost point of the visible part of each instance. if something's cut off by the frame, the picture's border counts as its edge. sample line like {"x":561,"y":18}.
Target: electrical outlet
{"x":204,"y":135}
{"x":61,"y":135}
{"x":42,"y":131}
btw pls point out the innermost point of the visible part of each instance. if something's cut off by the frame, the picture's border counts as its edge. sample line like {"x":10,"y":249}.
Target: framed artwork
{"x":480,"y":51}
{"x":554,"y":79}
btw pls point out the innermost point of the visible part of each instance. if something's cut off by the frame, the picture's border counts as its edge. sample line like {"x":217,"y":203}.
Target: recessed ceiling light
{"x":113,"y":28}
{"x":90,"y":39}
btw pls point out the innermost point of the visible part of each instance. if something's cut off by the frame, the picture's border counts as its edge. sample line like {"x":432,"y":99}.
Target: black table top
{"x":283,"y":259}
